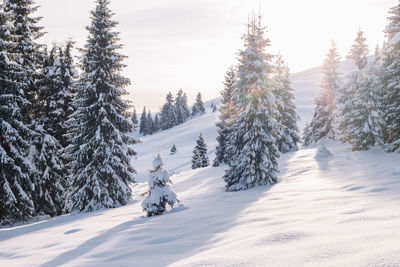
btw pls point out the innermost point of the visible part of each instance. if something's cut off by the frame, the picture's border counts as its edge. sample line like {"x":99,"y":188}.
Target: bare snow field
{"x":341,"y":209}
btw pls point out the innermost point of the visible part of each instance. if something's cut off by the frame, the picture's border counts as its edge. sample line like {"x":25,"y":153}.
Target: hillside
{"x":339,"y":210}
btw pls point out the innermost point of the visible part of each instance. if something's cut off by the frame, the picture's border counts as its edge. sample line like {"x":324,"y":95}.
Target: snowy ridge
{"x":341,"y":210}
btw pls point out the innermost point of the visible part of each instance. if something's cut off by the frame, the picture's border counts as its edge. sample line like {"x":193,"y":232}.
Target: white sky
{"x":174,"y":44}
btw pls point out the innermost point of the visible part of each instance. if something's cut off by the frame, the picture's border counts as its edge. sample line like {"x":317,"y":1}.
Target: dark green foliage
{"x":200,"y":159}
{"x":101,"y":145}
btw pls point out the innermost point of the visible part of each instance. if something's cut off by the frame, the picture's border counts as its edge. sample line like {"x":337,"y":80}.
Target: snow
{"x":341,"y":210}
{"x":322,"y":152}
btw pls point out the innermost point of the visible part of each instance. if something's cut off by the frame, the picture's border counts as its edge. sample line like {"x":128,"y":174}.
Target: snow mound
{"x":322,"y":152}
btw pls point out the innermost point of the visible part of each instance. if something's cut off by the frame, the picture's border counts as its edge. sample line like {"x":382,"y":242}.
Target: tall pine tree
{"x":390,"y":80}
{"x":143,"y":120}
{"x":16,"y":185}
{"x":156,"y":123}
{"x":101,"y":148}
{"x":198,"y":107}
{"x":346,"y":95}
{"x":256,"y":129}
{"x":367,"y":126}
{"x":225,"y":118}
{"x":27,"y":51}
{"x":134,"y":118}
{"x":283,"y":93}
{"x":323,"y":122}
{"x":67,"y":96}
{"x":149,"y":129}
{"x":50,"y":179}
{"x":181,"y":107}
{"x":168,"y":114}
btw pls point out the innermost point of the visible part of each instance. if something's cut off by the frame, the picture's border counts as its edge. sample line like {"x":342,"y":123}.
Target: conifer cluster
{"x":63,"y":138}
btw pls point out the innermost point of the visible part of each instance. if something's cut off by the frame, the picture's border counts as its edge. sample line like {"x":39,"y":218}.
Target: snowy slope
{"x":339,"y":210}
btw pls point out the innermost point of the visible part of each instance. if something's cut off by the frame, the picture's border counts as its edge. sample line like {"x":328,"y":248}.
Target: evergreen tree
{"x":160,"y":193}
{"x":27,"y":52}
{"x":307,"y":134}
{"x":367,"y":125}
{"x":323,"y":122}
{"x":200,"y":159}
{"x":143,"y":120}
{"x":168,"y":113}
{"x":134,"y":118}
{"x":214,"y":109}
{"x":181,"y":107}
{"x":359,"y":51}
{"x":283,"y":93}
{"x":346,"y":95}
{"x":50,"y":179}
{"x":255,"y":128}
{"x":226,"y":111}
{"x":156,"y":123}
{"x":390,"y":70}
{"x":198,"y":107}
{"x":186,"y":109}
{"x":16,"y":185}
{"x":149,"y":128}
{"x":173,"y":149}
{"x":101,"y":147}
{"x":67,"y":95}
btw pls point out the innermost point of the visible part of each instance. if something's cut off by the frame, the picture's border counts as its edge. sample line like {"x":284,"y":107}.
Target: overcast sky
{"x":174,"y":44}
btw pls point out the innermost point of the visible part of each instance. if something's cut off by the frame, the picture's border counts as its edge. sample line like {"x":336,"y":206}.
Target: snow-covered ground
{"x":328,"y":210}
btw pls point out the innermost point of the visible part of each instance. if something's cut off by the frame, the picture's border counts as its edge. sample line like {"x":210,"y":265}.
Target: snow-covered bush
{"x":160,"y":193}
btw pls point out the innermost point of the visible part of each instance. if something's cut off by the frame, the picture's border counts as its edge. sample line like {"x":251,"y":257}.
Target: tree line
{"x":64,"y":143}
{"x":174,"y":112}
{"x":362,"y":108}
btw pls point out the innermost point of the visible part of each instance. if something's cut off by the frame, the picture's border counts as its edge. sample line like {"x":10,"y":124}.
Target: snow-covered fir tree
{"x":225,"y":118}
{"x":346,"y":95}
{"x":160,"y":193}
{"x":199,"y":158}
{"x":367,"y":125}
{"x":101,"y":147}
{"x":390,"y":70}
{"x":168,"y":114}
{"x":156,"y":125}
{"x":67,"y":95}
{"x":198,"y":107}
{"x":307,"y":134}
{"x":143,"y":121}
{"x":173,"y":149}
{"x":16,"y":185}
{"x":283,"y":93}
{"x":323,"y":122}
{"x":47,"y":154}
{"x":181,"y":108}
{"x":255,"y":128}
{"x":149,"y":126}
{"x":214,"y":109}
{"x":46,"y":151}
{"x":27,"y":51}
{"x":359,"y":51}
{"x":134,"y":118}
